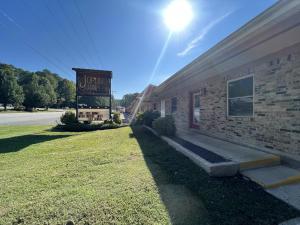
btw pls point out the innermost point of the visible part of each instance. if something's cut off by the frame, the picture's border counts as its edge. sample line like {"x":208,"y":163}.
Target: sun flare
{"x":178,"y":15}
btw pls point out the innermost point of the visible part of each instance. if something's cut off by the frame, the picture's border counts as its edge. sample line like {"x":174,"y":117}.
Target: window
{"x":154,"y":106}
{"x":174,"y":104}
{"x":162,"y":108}
{"x":240,"y":97}
{"x":196,"y":108}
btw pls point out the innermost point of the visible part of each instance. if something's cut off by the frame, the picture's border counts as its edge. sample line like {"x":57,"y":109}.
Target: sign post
{"x":95,"y":83}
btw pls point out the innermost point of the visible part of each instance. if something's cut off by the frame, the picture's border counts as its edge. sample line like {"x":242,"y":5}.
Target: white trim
{"x":253,"y":93}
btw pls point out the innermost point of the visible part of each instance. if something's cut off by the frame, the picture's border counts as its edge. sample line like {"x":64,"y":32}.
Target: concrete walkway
{"x":274,"y":176}
{"x":263,"y":168}
{"x":295,"y":221}
{"x":246,"y":157}
{"x":288,"y":193}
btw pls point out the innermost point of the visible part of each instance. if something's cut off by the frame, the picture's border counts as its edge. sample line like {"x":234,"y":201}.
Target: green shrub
{"x":117,"y":118}
{"x":165,"y":126}
{"x":79,"y":127}
{"x":139,"y":119}
{"x":108,"y":122}
{"x":109,"y":126}
{"x":147,"y":118}
{"x":68,"y":118}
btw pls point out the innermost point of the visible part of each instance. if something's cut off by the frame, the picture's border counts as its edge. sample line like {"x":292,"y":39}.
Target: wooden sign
{"x":93,"y":82}
{"x":90,"y":82}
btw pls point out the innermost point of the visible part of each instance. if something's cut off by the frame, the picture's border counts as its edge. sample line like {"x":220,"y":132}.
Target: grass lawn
{"x":120,"y":176}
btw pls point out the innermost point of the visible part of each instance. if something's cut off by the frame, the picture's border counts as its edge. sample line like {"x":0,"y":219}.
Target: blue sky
{"x":126,"y":37}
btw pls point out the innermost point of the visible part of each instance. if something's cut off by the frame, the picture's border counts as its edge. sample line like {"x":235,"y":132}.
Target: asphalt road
{"x":39,"y":118}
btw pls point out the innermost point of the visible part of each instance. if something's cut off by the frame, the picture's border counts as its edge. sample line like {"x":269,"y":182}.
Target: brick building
{"x":246,"y":89}
{"x":144,"y":101}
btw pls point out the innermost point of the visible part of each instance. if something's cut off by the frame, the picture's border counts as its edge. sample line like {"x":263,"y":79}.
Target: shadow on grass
{"x":14,"y":144}
{"x":192,"y":197}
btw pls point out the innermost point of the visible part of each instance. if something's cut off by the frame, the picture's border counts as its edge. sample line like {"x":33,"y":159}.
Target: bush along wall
{"x":165,"y":126}
{"x":147,"y":118}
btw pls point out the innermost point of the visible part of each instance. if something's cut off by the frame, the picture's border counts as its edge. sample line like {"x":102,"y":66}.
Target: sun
{"x":178,"y":15}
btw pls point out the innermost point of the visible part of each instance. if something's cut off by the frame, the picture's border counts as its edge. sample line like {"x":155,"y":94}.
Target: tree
{"x":39,"y":93}
{"x":41,"y":89}
{"x":49,"y":91}
{"x":128,"y":99}
{"x":10,"y":91}
{"x":66,"y":92}
{"x":52,"y":77}
{"x":24,"y":77}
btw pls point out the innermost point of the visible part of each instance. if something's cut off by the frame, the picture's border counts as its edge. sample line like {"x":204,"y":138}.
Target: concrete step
{"x":246,"y":157}
{"x":295,"y":221}
{"x":268,"y":160}
{"x":289,"y":194}
{"x":273,"y":177}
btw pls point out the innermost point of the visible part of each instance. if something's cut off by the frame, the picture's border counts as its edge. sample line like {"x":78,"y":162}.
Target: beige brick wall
{"x":276,"y":121}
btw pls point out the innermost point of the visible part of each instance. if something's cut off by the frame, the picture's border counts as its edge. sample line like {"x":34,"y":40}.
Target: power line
{"x":39,"y":53}
{"x":64,"y":31}
{"x":12,"y":20}
{"x":88,"y":31}
{"x":68,"y":54}
{"x":72,"y":24}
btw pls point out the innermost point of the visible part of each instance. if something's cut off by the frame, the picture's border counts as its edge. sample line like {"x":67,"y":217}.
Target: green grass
{"x":119,"y":176}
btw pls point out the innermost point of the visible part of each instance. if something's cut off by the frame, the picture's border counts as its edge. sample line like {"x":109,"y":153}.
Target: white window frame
{"x":253,"y":93}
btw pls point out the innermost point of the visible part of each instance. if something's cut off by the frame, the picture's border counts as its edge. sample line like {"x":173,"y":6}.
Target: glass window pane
{"x":162,"y":108}
{"x":197,"y":100}
{"x":196,"y":116}
{"x":240,"y":106}
{"x":196,"y":108}
{"x":174,"y":104}
{"x":240,"y":88}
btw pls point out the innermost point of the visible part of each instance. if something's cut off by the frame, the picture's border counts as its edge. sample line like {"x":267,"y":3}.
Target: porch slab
{"x":215,"y":169}
{"x":273,"y":177}
{"x":288,"y":193}
{"x":295,"y":221}
{"x":246,"y":157}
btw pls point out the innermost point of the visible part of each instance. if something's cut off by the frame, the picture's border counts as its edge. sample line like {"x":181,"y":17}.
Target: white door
{"x":162,"y":108}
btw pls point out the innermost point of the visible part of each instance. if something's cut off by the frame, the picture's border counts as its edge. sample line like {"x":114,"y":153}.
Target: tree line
{"x":29,"y":90}
{"x":128,"y":99}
